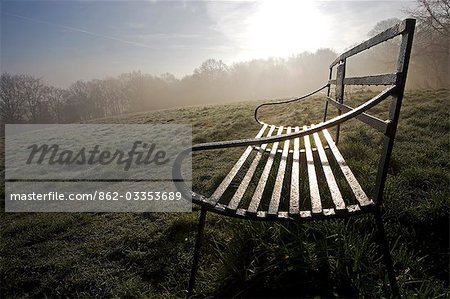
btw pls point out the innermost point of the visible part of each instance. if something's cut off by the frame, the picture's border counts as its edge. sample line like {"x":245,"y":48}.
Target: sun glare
{"x":283,"y":28}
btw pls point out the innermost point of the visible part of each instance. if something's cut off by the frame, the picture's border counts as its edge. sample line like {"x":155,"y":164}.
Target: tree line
{"x":27,"y":99}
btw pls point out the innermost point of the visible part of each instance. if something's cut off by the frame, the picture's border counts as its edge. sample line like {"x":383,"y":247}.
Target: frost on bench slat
{"x":276,"y":194}
{"x":254,"y":203}
{"x":331,"y":181}
{"x":295,"y":175}
{"x":313,"y":185}
{"x":354,"y":185}
{"x":226,"y":182}
{"x":237,"y":197}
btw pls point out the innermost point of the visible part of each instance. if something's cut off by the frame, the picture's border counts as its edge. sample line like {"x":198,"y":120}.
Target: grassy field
{"x":148,"y":255}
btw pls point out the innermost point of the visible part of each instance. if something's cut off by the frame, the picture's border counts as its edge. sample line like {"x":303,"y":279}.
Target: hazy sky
{"x":64,"y":41}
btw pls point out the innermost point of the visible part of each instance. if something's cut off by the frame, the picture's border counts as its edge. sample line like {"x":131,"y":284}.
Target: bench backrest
{"x":406,"y":30}
{"x":396,"y":82}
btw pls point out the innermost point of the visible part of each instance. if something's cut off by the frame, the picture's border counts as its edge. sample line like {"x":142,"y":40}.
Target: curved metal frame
{"x":286,"y":102}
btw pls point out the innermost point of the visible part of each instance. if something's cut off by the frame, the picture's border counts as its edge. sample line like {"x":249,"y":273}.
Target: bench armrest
{"x":286,"y":102}
{"x":313,"y":129}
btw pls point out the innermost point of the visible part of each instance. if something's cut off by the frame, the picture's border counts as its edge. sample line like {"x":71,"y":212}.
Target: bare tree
{"x":431,"y":43}
{"x":433,"y":15}
{"x":55,"y":101}
{"x":382,"y":26}
{"x":11,"y":98}
{"x":211,"y":69}
{"x":35,"y":92}
{"x":22,"y":99}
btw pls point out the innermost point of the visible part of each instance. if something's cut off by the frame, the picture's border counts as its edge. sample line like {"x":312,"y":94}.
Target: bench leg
{"x":387,"y":255}
{"x":201,"y":226}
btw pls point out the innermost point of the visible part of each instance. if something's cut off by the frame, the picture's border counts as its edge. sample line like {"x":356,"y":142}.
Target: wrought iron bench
{"x":275,"y":142}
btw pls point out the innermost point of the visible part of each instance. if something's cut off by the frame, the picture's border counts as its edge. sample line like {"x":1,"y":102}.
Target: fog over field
{"x":271,"y":57}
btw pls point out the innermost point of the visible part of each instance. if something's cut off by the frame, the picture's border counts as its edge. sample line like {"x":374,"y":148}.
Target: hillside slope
{"x":149,"y":255}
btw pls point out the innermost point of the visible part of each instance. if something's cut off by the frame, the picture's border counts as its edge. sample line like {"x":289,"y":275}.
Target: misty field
{"x":149,"y":254}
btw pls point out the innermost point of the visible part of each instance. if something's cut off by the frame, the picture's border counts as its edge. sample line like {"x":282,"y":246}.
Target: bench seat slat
{"x":295,"y":177}
{"x":331,"y":181}
{"x":351,"y":179}
{"x":237,"y":197}
{"x":276,"y":194}
{"x":257,"y":195}
{"x":316,"y":205}
{"x":215,"y":197}
{"x":281,"y":172}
